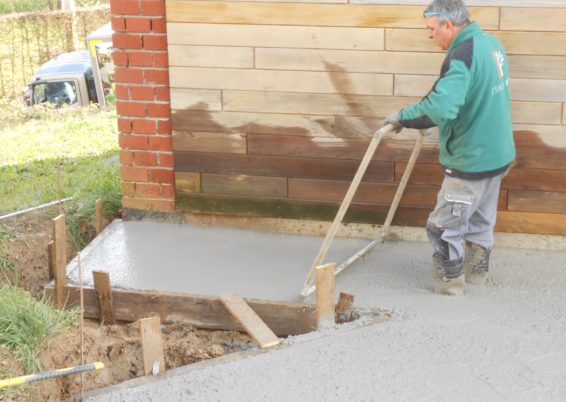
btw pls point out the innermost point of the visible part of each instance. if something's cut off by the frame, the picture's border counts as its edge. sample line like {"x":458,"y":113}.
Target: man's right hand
{"x":393,"y":119}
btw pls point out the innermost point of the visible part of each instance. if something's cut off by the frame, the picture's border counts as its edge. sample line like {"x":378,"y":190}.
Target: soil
{"x":23,"y":243}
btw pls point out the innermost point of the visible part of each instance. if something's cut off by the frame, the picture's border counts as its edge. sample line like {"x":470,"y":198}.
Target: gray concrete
{"x":505,"y":341}
{"x":205,"y":261}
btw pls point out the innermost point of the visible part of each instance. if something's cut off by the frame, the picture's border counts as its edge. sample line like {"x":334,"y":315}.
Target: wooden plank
{"x":98,"y":216}
{"x":545,"y":67}
{"x":281,"y":166}
{"x":535,"y":179}
{"x":540,"y":135}
{"x":325,"y":293}
{"x":275,"y":80}
{"x":340,"y":148}
{"x":104,"y":296}
{"x":259,"y":123}
{"x":538,"y":90}
{"x":254,"y":326}
{"x":533,"y":19}
{"x":191,"y":141}
{"x":152,"y":346}
{"x":253,"y":186}
{"x":187,"y":182}
{"x":307,"y":37}
{"x":535,"y":43}
{"x":349,"y":60}
{"x":564,"y":114}
{"x":531,"y":222}
{"x":409,"y":40}
{"x":196,"y":99}
{"x":413,"y":85}
{"x":423,"y":174}
{"x":60,"y":258}
{"x":284,"y":318}
{"x":280,"y":102}
{"x":542,"y":157}
{"x":368,"y":193}
{"x":211,"y":56}
{"x":537,"y":201}
{"x":309,"y":14}
{"x":535,"y":112}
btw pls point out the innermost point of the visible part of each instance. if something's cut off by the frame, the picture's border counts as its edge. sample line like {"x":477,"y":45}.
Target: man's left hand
{"x":393,"y":119}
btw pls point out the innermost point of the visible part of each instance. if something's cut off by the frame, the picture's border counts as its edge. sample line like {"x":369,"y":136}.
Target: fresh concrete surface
{"x":505,"y":341}
{"x":205,"y":260}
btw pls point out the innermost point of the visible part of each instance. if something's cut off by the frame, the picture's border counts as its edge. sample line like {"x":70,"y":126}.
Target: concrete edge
{"x":375,"y":316}
{"x":320,"y":228}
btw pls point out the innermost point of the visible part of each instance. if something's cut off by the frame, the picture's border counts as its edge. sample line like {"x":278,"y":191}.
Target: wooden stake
{"x":325,"y":292}
{"x":81,"y":320}
{"x":104,"y":296}
{"x":60,"y":204}
{"x":60,"y":259}
{"x":152,"y":345}
{"x":376,"y":139}
{"x":345,"y":309}
{"x":253,"y":325}
{"x":50,"y":261}
{"x":98,"y":216}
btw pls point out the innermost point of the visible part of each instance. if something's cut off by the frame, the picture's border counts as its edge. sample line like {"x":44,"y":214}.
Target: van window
{"x":58,"y":93}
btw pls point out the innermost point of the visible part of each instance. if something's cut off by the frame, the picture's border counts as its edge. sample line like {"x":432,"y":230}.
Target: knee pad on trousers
{"x":435,"y":236}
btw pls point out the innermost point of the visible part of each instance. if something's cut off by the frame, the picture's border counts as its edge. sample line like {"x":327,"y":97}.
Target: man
{"x":470,"y":104}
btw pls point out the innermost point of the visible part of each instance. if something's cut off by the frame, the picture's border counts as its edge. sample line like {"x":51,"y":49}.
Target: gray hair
{"x":449,"y":10}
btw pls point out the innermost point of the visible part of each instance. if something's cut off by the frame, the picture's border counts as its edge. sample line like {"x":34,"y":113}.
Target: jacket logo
{"x":499,"y":59}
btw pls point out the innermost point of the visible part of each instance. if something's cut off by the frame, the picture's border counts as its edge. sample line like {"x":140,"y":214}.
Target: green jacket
{"x":471,"y":106}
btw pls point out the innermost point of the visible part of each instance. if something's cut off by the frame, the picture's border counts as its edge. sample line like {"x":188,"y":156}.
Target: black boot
{"x":476,"y":263}
{"x":448,"y":275}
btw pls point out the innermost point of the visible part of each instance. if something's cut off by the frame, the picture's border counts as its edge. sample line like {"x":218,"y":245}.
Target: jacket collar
{"x":466,"y":33}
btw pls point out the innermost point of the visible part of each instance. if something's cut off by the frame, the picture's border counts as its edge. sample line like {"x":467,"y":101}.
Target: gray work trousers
{"x":466,"y":210}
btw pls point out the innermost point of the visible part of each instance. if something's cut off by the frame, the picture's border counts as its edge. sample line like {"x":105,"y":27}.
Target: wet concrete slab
{"x":208,"y":261}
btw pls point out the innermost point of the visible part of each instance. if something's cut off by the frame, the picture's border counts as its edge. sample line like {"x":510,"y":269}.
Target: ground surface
{"x":505,"y":341}
{"x":23,"y":243}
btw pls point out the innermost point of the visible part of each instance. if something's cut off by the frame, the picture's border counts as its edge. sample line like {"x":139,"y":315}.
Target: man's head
{"x":444,"y":19}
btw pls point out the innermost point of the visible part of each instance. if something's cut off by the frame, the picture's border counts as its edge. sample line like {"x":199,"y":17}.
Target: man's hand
{"x":393,"y":119}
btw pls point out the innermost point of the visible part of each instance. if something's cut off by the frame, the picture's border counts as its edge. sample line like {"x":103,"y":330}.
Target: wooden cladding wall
{"x":273,"y":103}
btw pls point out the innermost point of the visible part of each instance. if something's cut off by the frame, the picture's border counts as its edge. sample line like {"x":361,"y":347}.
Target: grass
{"x":49,"y":153}
{"x":26,"y":324}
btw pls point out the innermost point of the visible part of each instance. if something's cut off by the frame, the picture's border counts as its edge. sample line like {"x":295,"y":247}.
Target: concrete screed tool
{"x":309,"y":286}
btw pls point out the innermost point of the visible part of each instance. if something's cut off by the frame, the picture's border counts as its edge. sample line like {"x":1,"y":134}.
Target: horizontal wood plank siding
{"x":274,"y":103}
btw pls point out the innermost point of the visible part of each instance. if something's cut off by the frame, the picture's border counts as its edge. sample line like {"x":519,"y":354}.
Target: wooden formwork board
{"x":284,"y":318}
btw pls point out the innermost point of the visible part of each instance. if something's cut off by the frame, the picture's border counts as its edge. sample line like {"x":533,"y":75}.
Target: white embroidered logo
{"x":499,"y":59}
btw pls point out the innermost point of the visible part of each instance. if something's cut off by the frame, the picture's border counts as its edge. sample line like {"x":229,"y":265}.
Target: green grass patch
{"x":26,"y":324}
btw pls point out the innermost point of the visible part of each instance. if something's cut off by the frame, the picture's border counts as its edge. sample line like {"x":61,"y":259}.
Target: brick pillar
{"x":143,"y":104}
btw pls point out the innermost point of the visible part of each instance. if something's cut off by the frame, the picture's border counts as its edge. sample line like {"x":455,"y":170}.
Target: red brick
{"x":144,"y":126}
{"x":160,"y":59}
{"x":162,"y":176}
{"x":127,"y":41}
{"x":159,"y":25}
{"x":157,"y":76}
{"x":120,"y":58}
{"x":145,"y":159}
{"x":118,"y":24}
{"x":149,"y":190}
{"x":131,"y":75}
{"x":125,"y":7}
{"x":158,"y":110}
{"x":142,"y":93}
{"x":149,"y":204}
{"x":164,"y":126}
{"x":155,"y":42}
{"x":162,"y":94}
{"x":124,"y":125}
{"x":153,"y":7}
{"x":128,"y":189}
{"x":140,"y":59}
{"x":138,"y":24}
{"x":135,"y":109}
{"x":166,"y":160}
{"x":128,"y":141}
{"x":160,"y":143}
{"x":130,"y":173}
{"x":168,"y":191}
{"x":126,"y":158}
{"x":122,"y":92}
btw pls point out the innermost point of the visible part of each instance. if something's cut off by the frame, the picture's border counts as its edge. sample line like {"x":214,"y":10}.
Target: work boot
{"x":448,"y":275}
{"x":476,"y":263}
